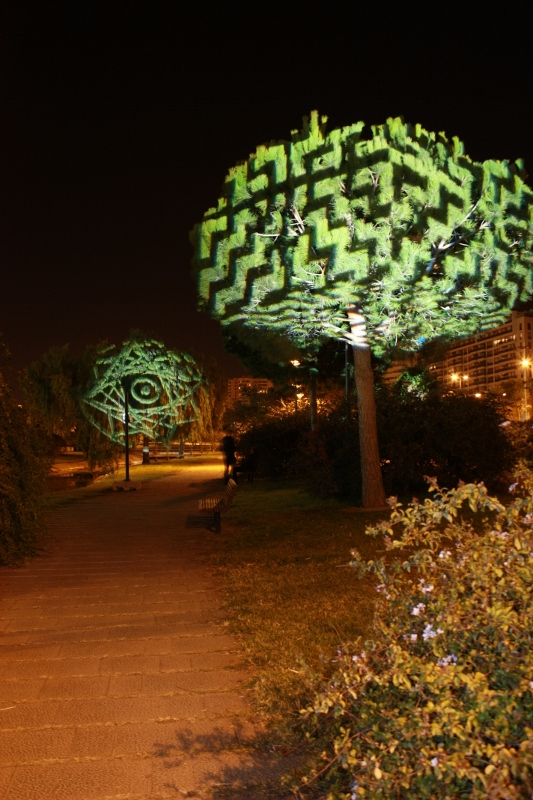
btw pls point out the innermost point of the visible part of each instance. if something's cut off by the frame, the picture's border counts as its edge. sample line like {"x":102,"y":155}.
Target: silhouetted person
{"x":251,"y":465}
{"x":228,"y":448}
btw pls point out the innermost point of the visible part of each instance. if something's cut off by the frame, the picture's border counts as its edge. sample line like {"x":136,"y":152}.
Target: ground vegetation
{"x":438,"y":702}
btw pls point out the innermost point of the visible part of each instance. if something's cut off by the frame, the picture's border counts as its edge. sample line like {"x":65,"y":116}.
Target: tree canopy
{"x":163,"y":387}
{"x":399,"y":223}
{"x":386,"y":239}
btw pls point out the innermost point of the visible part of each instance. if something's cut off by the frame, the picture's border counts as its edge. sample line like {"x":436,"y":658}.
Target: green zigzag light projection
{"x":162,"y":385}
{"x":401,"y":224}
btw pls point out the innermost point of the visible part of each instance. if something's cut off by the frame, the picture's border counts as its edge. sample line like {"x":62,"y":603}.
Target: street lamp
{"x":458,"y":379}
{"x":525,"y":364}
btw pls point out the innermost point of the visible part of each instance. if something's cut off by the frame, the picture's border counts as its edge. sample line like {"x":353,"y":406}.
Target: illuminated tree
{"x":394,"y":238}
{"x":161,"y":386}
{"x":52,"y":388}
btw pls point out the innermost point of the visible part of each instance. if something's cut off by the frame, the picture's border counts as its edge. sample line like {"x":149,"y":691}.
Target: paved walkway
{"x":118,"y":679}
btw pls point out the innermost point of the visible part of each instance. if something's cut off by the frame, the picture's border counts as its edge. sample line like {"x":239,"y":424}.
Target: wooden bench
{"x":212,"y":507}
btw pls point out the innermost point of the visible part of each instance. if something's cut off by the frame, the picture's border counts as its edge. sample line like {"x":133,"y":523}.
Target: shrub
{"x":275,"y":442}
{"x":328,"y":461}
{"x":453,"y":437}
{"x":24,"y":463}
{"x":439,"y":703}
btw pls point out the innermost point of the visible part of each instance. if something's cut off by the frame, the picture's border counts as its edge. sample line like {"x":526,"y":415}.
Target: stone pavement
{"x":118,"y":679}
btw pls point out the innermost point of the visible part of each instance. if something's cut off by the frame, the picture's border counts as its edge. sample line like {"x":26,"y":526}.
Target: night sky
{"x":119,"y":122}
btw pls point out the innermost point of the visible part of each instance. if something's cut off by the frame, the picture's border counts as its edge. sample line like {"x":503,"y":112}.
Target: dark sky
{"x":119,"y":122}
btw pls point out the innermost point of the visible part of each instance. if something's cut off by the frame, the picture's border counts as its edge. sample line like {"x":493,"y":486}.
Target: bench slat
{"x":213,"y":506}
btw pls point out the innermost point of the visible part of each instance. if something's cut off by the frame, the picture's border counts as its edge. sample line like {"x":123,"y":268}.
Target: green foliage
{"x":24,"y":464}
{"x":275,"y":441}
{"x":162,"y":387}
{"x":49,"y":388}
{"x":210,"y":400}
{"x":402,"y":224}
{"x":520,"y":437}
{"x":452,"y":437}
{"x":57,"y":386}
{"x":53,"y":387}
{"x":438,"y":703}
{"x":263,"y":353}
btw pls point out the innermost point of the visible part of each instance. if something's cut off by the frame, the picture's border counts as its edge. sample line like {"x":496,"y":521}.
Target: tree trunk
{"x":372,"y":479}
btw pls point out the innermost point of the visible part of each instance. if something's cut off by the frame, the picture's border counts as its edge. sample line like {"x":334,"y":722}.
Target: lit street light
{"x":458,"y":379}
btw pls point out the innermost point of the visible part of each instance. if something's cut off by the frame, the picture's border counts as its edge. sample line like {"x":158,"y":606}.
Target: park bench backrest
{"x":229,"y":494}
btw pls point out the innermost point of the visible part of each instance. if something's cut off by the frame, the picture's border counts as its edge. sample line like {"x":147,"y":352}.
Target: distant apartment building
{"x":481,"y":362}
{"x":236,"y":387}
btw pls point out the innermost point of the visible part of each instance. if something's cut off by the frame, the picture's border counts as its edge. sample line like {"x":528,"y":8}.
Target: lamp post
{"x":313,"y":373}
{"x":346,"y":374}
{"x":298,"y":395}
{"x":525,"y":364}
{"x":127,"y":427}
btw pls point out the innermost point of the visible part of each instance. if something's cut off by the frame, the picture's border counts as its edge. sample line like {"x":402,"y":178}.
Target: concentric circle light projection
{"x":162,"y":388}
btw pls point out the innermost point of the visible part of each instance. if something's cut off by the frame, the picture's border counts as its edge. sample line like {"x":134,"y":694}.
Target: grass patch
{"x":292,"y":598}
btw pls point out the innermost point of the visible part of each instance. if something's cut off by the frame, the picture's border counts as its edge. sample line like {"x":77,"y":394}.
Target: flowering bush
{"x":439,"y":704}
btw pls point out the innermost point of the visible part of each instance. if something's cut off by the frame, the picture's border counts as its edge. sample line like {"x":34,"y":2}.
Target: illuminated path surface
{"x":117,"y":677}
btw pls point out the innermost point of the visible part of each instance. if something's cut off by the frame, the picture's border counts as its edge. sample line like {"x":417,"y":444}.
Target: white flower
{"x":429,"y":633}
{"x":512,"y":487}
{"x":380,"y":587}
{"x":426,"y":589}
{"x":418,"y":609}
{"x":528,"y":519}
{"x":445,"y":553}
{"x":505,"y":423}
{"x":434,"y":762}
{"x":447,"y":661}
{"x":414,"y":637}
{"x":363,"y":763}
{"x":501,"y":535}
{"x":353,"y":790}
{"x":531,"y":684}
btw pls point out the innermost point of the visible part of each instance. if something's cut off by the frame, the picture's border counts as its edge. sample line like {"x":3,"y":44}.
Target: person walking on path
{"x":229,"y":448}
